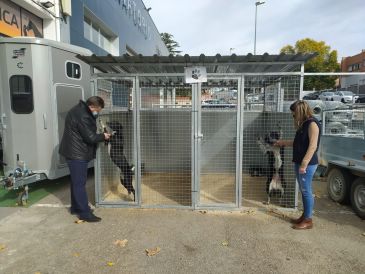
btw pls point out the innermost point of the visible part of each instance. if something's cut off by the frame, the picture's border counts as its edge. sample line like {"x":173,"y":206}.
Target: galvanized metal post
{"x":136,"y":94}
{"x":239,"y":146}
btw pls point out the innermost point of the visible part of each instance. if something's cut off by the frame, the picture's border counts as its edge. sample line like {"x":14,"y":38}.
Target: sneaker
{"x":91,"y":218}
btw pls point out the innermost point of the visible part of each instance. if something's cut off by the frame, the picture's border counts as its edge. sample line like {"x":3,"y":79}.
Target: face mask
{"x":95,"y":113}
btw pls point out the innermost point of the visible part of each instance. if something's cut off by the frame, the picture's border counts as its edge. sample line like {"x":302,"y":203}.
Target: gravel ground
{"x":47,"y":240}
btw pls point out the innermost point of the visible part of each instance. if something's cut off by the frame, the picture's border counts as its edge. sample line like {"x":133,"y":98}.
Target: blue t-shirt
{"x":301,"y":142}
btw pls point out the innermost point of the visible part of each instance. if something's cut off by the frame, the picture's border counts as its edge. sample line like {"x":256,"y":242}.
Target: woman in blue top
{"x":305,"y":146}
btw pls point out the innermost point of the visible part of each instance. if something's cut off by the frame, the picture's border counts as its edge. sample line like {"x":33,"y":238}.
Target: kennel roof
{"x":217,"y":64}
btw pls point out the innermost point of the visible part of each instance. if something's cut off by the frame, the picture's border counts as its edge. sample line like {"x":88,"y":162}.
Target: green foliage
{"x":183,"y":92}
{"x":170,"y":43}
{"x":325,"y":61}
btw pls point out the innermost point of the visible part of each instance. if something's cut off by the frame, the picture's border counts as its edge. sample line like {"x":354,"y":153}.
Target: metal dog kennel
{"x":195,"y":145}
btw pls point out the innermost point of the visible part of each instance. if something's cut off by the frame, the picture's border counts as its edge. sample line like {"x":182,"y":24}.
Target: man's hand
{"x":107,"y":136}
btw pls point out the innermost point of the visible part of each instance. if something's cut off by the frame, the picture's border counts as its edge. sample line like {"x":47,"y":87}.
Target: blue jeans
{"x":79,"y":201}
{"x":305,"y":186}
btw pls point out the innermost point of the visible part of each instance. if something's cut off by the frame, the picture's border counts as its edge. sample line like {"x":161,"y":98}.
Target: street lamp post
{"x":258,"y":3}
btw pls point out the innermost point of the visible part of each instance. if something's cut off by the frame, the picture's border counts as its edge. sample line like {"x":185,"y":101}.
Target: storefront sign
{"x":195,"y":75}
{"x":15,"y":21}
{"x":9,"y":19}
{"x":135,"y":14}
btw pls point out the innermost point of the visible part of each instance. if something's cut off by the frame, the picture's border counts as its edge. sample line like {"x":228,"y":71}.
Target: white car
{"x":344,"y":96}
{"x":326,"y":96}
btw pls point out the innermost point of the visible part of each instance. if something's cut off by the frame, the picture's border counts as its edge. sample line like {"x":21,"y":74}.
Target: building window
{"x":73,"y":70}
{"x":129,"y":51}
{"x":21,"y":94}
{"x":95,"y":33}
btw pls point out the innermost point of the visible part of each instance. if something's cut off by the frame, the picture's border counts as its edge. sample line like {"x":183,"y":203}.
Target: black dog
{"x":118,"y":158}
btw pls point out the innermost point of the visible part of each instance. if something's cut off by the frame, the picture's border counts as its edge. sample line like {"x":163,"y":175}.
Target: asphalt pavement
{"x":46,"y":239}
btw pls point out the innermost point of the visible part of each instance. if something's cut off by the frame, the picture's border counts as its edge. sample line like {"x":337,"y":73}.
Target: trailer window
{"x":73,"y":70}
{"x":21,"y":94}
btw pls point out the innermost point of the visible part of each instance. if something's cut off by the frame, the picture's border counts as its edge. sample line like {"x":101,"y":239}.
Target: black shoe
{"x":76,"y":212}
{"x":91,"y":218}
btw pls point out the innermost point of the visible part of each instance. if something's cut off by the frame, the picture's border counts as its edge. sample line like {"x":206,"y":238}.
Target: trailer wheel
{"x":338,"y":185}
{"x":358,"y":197}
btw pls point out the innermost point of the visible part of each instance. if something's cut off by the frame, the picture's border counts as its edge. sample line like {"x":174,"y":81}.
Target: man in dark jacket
{"x":78,"y":146}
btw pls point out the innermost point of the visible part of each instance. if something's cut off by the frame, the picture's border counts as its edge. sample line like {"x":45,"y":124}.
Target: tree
{"x":325,"y":61}
{"x":170,"y":43}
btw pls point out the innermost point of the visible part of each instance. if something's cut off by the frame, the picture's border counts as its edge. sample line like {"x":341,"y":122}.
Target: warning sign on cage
{"x":195,"y":75}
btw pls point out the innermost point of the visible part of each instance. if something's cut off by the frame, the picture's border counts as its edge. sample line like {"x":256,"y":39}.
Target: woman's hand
{"x":302,"y":170}
{"x":279,"y":143}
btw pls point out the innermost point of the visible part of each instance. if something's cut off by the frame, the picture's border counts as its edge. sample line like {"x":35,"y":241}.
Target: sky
{"x":228,"y":26}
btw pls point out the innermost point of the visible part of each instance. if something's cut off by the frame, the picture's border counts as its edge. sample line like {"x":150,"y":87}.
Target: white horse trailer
{"x":40,"y":80}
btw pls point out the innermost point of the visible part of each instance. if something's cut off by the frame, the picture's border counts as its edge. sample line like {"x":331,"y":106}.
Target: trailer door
{"x":67,"y":96}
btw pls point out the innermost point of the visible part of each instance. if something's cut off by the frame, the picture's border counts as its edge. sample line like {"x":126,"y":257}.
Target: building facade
{"x":356,"y":63}
{"x":114,"y":27}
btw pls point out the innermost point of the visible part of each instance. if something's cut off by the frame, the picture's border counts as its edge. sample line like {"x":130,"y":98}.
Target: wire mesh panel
{"x":218,"y":143}
{"x":342,"y":143}
{"x":116,"y":157}
{"x":268,"y":173}
{"x":165,"y":137}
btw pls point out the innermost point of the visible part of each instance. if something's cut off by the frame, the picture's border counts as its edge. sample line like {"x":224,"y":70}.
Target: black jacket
{"x":79,"y":139}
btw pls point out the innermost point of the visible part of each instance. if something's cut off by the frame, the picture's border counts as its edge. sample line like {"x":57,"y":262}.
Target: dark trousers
{"x":79,"y":201}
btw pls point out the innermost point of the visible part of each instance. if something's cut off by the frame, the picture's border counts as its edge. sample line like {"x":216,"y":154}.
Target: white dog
{"x":267,"y":146}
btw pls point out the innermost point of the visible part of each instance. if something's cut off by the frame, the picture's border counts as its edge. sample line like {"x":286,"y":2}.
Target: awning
{"x":218,"y":64}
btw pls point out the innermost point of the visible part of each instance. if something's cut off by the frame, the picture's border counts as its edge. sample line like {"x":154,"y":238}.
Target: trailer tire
{"x":338,"y":185}
{"x":358,"y":197}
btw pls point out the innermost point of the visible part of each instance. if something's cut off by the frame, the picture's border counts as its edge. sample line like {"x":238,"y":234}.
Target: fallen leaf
{"x":121,"y":243}
{"x":203,"y":211}
{"x":152,"y":251}
{"x":225,"y":243}
{"x":76,"y":254}
{"x":249,"y":211}
{"x":79,"y":221}
{"x":2,"y":247}
{"x":109,"y":263}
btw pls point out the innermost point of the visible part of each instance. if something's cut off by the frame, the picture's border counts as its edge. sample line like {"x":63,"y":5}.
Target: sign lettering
{"x":15,"y":21}
{"x":135,"y":14}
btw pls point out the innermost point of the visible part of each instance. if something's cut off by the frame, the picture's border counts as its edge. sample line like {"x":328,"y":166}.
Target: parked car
{"x":311,"y":96}
{"x":344,"y":96}
{"x":360,"y":99}
{"x":217,"y":103}
{"x":326,"y":96}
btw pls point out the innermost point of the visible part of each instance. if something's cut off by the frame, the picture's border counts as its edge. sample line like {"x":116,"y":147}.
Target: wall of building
{"x":126,"y":23}
{"x":127,"y":20}
{"x":356,"y":63}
